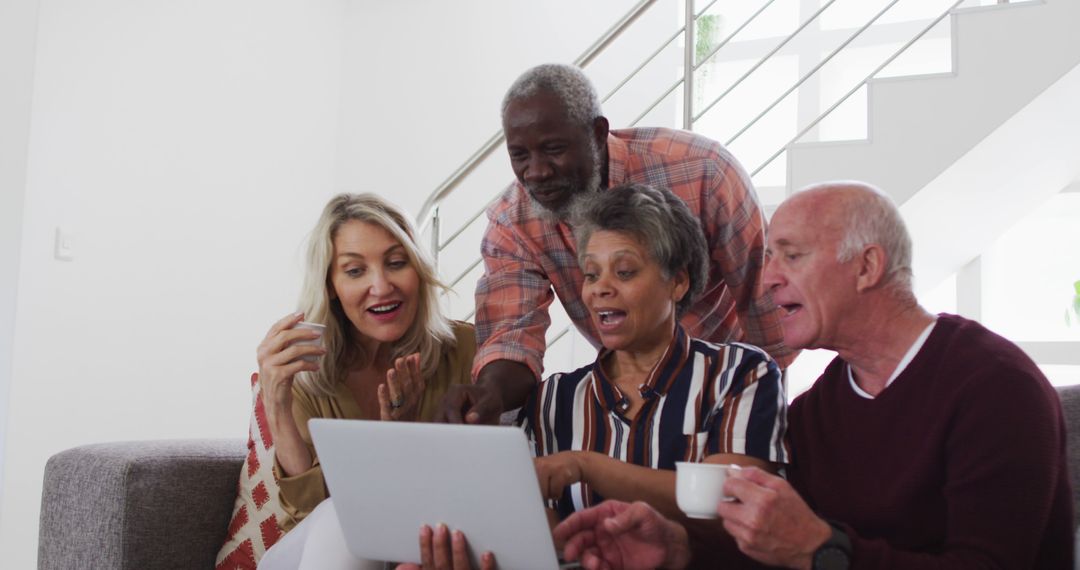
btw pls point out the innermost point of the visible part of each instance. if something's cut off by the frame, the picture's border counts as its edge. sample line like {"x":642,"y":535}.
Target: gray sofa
{"x":166,"y":504}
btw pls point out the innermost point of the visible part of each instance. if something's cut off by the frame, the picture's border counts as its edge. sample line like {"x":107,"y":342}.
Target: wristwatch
{"x":835,"y":553}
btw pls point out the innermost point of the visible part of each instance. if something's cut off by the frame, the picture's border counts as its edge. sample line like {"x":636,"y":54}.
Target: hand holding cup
{"x":699,"y":488}
{"x":291,"y":346}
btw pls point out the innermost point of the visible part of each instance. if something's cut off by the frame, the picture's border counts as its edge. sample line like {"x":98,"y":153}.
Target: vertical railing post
{"x":688,"y":68}
{"x":435,"y":238}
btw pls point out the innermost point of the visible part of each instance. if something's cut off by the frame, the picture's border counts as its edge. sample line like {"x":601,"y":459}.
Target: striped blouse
{"x":701,"y":399}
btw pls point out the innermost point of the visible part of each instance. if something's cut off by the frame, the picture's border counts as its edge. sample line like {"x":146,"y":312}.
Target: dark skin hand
{"x":501,"y":385}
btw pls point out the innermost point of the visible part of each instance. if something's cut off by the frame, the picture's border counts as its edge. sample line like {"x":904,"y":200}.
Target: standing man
{"x":561,"y":151}
{"x":929,"y":442}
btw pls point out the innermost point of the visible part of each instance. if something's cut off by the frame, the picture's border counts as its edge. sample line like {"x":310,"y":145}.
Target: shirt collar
{"x":661,"y":379}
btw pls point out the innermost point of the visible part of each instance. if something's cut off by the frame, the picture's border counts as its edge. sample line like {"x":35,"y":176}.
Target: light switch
{"x":65,"y":245}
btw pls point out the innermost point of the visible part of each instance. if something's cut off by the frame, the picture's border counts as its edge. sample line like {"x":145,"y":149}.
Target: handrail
{"x":461,"y":229}
{"x":665,"y":44}
{"x":493,"y":142}
{"x":766,"y":58}
{"x":613,"y":33}
{"x":697,"y":65}
{"x":810,"y":73}
{"x":468,"y":270}
{"x":688,"y":65}
{"x":858,"y":86}
{"x":458,"y":175}
{"x":560,"y":334}
{"x":720,"y":45}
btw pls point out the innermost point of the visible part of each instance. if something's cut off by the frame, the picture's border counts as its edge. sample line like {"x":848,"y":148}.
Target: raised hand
{"x":280,"y":359}
{"x":403,"y":393}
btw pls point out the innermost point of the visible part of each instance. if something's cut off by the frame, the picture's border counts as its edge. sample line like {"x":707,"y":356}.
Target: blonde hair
{"x":430,"y":331}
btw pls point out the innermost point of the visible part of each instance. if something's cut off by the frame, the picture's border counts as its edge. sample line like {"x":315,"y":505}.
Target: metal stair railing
{"x":851,"y":92}
{"x":808,"y":74}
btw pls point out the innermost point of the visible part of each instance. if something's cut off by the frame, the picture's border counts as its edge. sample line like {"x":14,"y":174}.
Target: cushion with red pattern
{"x":254,"y":526}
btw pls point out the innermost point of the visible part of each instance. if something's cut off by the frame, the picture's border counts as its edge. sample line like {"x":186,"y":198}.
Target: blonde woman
{"x":388,"y":353}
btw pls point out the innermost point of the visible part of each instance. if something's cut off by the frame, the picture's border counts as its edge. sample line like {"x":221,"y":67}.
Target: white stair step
{"x":919,"y":126}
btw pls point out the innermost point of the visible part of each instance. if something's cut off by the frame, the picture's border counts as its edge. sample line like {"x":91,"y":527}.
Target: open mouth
{"x":790,"y":308}
{"x":385,"y":310}
{"x":610,"y":318}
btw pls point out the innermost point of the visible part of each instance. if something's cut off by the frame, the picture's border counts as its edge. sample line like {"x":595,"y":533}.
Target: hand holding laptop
{"x":477,"y":479}
{"x":442,"y":550}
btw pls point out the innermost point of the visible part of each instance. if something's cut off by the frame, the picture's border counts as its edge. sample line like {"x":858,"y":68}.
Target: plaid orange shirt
{"x":528,"y":260}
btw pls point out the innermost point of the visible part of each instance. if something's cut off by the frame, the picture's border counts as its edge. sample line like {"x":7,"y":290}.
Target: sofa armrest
{"x":147,"y":504}
{"x":1070,"y":407}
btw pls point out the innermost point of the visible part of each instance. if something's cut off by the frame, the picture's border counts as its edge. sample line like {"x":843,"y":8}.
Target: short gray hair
{"x":660,"y":221}
{"x":873,"y":218}
{"x":566,"y":82}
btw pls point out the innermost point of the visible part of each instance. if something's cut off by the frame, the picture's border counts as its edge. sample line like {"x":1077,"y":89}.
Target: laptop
{"x":389,"y":478}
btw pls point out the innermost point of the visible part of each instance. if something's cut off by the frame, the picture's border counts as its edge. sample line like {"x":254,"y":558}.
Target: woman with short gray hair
{"x":654,"y":396}
{"x":658,"y":219}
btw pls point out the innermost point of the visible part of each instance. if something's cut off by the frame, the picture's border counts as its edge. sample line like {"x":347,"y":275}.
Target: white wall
{"x":18,"y":27}
{"x":188,"y":145}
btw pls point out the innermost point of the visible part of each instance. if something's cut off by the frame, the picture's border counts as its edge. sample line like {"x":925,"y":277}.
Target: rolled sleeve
{"x":300,"y":494}
{"x":512,"y":300}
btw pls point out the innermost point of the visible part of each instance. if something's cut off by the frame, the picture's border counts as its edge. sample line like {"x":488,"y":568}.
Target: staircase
{"x":994,"y":137}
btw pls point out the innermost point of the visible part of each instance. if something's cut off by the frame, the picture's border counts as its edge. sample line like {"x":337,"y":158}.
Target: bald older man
{"x":929,"y":442}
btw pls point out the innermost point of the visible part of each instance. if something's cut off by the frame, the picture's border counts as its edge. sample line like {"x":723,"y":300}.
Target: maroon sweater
{"x":960,"y":463}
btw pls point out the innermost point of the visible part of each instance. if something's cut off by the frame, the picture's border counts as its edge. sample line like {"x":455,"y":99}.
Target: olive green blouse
{"x":300,"y":494}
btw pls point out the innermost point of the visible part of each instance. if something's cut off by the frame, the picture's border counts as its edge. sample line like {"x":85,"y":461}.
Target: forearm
{"x":511,"y":381}
{"x":290,"y":449}
{"x":615,"y":479}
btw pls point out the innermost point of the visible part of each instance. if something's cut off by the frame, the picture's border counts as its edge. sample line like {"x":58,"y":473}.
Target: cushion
{"x":253,"y":528}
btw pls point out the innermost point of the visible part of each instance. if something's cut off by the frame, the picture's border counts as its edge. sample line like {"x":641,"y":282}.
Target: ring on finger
{"x":395,"y":404}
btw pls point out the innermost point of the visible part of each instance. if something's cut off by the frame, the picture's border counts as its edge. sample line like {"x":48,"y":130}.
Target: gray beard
{"x":578,"y":197}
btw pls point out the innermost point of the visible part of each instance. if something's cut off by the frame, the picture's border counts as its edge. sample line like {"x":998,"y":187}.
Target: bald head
{"x":856,"y":215}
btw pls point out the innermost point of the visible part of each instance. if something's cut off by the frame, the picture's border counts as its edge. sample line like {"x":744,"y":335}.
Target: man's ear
{"x":600,"y":130}
{"x":872,"y":264}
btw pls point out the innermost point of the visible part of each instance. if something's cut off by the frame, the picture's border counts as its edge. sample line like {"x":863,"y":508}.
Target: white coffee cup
{"x":313,"y":341}
{"x":699,"y":487}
